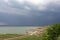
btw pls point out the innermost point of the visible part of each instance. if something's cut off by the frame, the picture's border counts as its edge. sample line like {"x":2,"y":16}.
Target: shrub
{"x":52,"y":32}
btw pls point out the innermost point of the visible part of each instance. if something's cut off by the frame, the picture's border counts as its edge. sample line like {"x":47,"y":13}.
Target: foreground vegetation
{"x":50,"y":33}
{"x":5,"y":36}
{"x":33,"y":37}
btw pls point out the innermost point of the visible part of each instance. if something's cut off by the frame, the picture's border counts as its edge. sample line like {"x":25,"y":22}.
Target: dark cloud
{"x":13,"y":13}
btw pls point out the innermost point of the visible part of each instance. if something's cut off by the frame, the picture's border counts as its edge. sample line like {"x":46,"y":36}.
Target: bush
{"x":52,"y":32}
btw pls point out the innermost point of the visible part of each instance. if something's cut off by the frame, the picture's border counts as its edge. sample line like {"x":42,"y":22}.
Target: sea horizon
{"x":15,"y":30}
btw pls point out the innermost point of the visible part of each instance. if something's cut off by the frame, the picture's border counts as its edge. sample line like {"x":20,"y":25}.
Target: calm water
{"x":17,"y":30}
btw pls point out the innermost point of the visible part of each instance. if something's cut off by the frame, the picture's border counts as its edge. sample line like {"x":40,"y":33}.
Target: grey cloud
{"x":34,"y":17}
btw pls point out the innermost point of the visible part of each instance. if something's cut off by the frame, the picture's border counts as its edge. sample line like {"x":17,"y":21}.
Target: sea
{"x":15,"y":30}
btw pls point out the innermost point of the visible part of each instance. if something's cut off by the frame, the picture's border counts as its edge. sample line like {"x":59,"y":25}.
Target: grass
{"x":9,"y":35}
{"x":29,"y":38}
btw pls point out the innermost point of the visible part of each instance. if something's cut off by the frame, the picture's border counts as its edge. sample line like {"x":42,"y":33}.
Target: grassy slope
{"x":29,"y":38}
{"x":8,"y":35}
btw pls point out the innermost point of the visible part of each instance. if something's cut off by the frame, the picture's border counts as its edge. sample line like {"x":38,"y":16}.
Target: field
{"x":9,"y":36}
{"x":18,"y":37}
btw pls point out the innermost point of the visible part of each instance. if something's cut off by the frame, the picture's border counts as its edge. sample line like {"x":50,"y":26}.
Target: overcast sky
{"x":29,"y":12}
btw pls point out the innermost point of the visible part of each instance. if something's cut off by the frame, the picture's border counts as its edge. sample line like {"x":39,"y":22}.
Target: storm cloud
{"x":29,"y":12}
